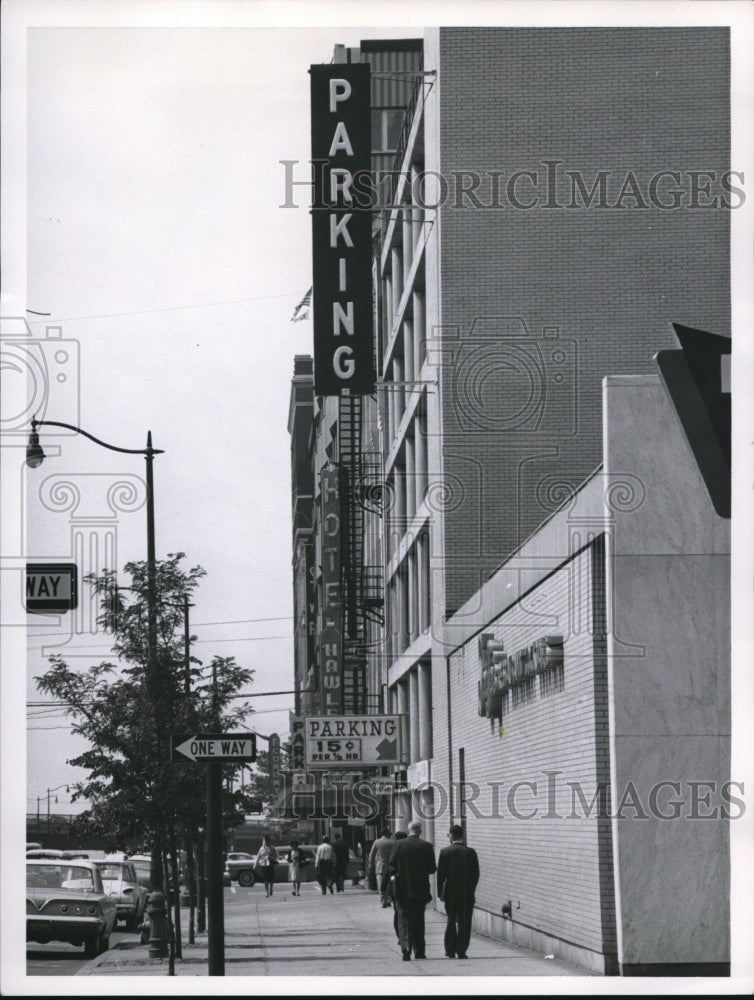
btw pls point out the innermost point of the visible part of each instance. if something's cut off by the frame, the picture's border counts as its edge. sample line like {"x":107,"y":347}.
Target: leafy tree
{"x":260,"y":786}
{"x":127,"y":709}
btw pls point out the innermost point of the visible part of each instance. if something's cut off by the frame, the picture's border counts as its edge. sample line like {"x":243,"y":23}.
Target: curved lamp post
{"x":34,"y":458}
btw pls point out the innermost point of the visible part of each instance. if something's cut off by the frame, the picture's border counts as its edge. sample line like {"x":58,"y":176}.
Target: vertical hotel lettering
{"x":330,"y":636}
{"x":341,"y":230}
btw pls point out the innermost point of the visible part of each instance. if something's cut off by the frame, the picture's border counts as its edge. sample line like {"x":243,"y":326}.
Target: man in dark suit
{"x":411,"y":864}
{"x":457,"y":877}
{"x":342,"y":857}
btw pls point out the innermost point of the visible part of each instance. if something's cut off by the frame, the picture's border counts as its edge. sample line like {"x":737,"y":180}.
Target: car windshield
{"x":113,"y":871}
{"x":59,"y":877}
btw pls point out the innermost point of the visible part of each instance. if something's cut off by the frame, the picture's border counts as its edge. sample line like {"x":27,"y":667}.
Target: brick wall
{"x":521,"y":408}
{"x":555,"y":867}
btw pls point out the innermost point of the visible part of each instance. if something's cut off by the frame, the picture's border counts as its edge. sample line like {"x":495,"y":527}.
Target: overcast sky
{"x":151,"y":231}
{"x":156,"y":239}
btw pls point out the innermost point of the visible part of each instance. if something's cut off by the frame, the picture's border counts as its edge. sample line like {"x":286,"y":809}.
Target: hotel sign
{"x":502,"y":671}
{"x":330,"y":636}
{"x":342,"y":229}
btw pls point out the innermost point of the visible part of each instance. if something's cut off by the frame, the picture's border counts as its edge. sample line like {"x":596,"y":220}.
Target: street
{"x":60,"y":959}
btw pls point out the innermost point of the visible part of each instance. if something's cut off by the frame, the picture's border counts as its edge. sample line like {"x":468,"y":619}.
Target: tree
{"x":260,"y":786}
{"x":127,"y":710}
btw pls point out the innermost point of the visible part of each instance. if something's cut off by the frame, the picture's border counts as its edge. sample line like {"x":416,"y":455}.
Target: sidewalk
{"x":347,"y":934}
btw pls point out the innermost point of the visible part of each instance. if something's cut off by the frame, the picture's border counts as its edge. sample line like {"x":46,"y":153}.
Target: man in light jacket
{"x":323,"y":864}
{"x":379,"y":856}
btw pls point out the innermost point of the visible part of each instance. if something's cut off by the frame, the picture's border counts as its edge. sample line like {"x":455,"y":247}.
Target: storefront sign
{"x":274,"y":760}
{"x":342,"y":230}
{"x":502,"y":671}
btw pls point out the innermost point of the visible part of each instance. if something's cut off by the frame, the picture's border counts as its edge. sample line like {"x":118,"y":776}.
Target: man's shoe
{"x":449,"y":954}
{"x":406,"y":956}
{"x":419,"y":956}
{"x":463,"y":956}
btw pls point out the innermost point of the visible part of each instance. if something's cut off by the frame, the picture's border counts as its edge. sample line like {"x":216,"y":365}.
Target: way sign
{"x":352,"y":740}
{"x":224,"y":748}
{"x":51,"y":587}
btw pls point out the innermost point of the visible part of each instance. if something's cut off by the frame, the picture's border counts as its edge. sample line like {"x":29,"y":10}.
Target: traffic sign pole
{"x":214,"y":750}
{"x":216,"y":921}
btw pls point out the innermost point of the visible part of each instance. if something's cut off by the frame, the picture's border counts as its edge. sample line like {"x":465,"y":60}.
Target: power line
{"x":236,"y":621}
{"x":248,"y":694}
{"x":162,"y":309}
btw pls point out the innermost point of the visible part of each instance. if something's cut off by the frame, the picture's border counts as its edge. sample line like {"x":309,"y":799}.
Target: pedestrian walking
{"x":412,"y":862}
{"x":379,"y":856}
{"x":457,"y":878}
{"x":323,"y":864}
{"x":295,"y":862}
{"x":340,"y":861}
{"x":265,"y":864}
{"x":388,"y":888}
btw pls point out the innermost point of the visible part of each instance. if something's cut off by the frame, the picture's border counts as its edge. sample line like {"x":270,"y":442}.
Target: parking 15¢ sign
{"x":352,"y":740}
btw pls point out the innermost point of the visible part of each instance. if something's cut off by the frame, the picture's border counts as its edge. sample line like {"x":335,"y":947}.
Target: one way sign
{"x":224,"y":748}
{"x":51,"y":587}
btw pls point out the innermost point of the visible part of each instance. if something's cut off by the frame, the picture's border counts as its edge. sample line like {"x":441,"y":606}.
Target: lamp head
{"x":34,"y":454}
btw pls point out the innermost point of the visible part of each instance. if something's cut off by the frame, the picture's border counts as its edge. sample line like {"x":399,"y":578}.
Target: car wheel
{"x":132,"y":921}
{"x":91,"y":946}
{"x":246,"y":878}
{"x":104,"y":944}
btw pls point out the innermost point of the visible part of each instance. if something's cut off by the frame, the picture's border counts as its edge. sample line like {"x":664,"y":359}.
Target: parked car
{"x":143,"y":865}
{"x":121,"y":883}
{"x":66,"y":901}
{"x":243,"y":872}
{"x":239,"y":856}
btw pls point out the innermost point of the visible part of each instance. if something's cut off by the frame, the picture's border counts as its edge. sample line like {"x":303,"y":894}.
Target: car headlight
{"x":78,"y":909}
{"x":92,"y":910}
{"x":64,"y":908}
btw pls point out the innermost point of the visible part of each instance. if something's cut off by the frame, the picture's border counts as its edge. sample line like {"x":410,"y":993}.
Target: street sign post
{"x":352,"y":741}
{"x":220,"y":748}
{"x":51,"y":587}
{"x":214,"y":750}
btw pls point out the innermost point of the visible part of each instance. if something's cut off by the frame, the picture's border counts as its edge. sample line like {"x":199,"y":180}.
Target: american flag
{"x":302,"y":309}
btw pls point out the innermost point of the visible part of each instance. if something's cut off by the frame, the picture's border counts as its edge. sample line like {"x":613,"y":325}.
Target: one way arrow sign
{"x":224,"y":748}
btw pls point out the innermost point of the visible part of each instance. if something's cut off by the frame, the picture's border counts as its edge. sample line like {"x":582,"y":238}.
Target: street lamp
{"x":49,"y":793}
{"x":34,"y":458}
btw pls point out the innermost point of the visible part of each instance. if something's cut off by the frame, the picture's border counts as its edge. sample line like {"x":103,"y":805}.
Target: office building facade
{"x":538,"y":512}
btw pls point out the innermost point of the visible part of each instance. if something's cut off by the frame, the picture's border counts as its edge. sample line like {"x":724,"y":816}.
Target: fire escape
{"x":361,"y":496}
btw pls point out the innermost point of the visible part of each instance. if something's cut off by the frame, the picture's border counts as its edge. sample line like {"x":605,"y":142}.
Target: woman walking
{"x":294,"y":868}
{"x":265,"y":863}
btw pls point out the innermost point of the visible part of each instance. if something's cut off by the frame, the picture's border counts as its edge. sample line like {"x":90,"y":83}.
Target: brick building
{"x":559,"y":199}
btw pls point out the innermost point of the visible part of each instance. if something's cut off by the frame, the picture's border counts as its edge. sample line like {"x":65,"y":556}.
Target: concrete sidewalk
{"x":346,"y":934}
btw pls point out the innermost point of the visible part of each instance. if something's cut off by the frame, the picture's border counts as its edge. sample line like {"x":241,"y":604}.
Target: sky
{"x":143,"y":185}
{"x":158,"y":244}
